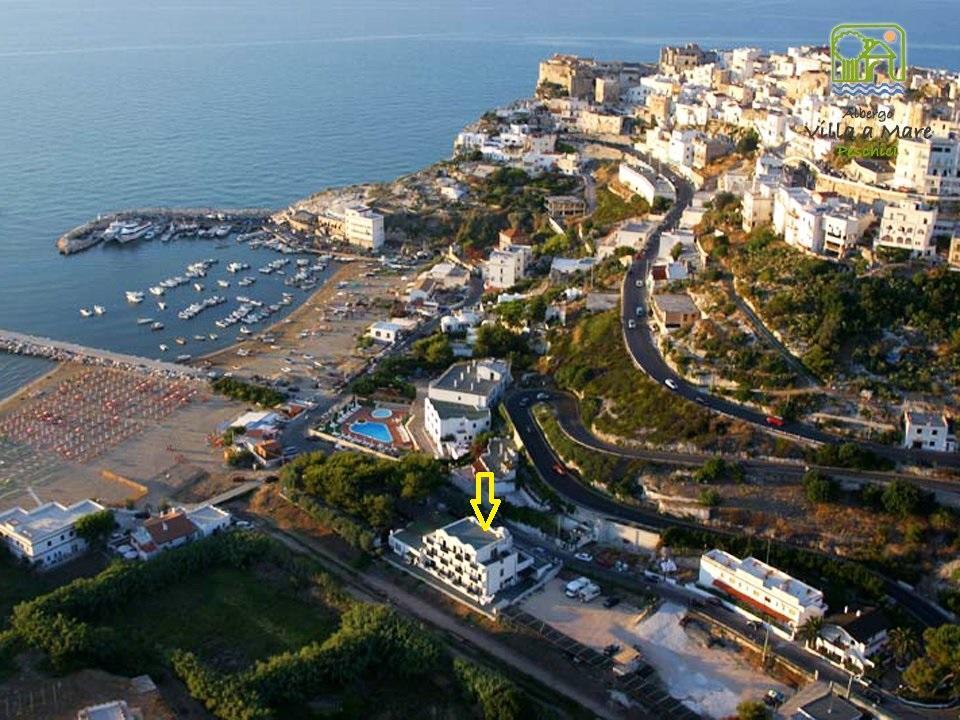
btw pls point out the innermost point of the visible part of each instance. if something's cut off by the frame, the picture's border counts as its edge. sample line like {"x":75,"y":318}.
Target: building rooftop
{"x":676,"y":303}
{"x":861,"y":625}
{"x":472,"y":377}
{"x":47,"y":519}
{"x":921,"y":417}
{"x":207,"y":517}
{"x":169,"y":527}
{"x":831,"y":707}
{"x":768,"y":575}
{"x":447,"y":410}
{"x":468,"y":531}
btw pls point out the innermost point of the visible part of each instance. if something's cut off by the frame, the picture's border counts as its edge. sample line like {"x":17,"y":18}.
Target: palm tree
{"x":809,"y":631}
{"x":904,"y":644}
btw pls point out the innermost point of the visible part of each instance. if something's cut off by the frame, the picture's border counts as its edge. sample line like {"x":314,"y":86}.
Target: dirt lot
{"x":709,"y":681}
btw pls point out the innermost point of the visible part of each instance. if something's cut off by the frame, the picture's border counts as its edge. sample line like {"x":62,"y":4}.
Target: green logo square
{"x":859,"y":50}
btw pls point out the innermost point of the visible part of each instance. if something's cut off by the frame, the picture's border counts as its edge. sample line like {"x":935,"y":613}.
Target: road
{"x":568,"y":416}
{"x":646,"y":356}
{"x":574,"y":490}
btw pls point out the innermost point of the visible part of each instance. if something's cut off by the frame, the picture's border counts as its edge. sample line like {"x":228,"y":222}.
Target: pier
{"x":91,"y":233}
{"x":23,"y":344}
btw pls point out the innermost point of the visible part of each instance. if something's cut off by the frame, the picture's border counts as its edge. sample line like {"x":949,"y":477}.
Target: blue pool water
{"x":374,"y":431}
{"x":381,"y":413}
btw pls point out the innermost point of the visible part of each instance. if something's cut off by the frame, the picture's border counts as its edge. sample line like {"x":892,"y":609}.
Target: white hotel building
{"x":472,"y":561}
{"x":45,"y":536}
{"x":458,"y":403}
{"x":363,"y":227}
{"x":761,"y":587}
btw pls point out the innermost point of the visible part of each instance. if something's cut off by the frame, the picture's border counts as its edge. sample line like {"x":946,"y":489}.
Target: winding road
{"x":646,"y":356}
{"x":572,"y":489}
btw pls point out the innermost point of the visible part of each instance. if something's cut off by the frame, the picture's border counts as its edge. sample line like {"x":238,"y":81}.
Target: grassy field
{"x":18,"y":583}
{"x":230,"y":617}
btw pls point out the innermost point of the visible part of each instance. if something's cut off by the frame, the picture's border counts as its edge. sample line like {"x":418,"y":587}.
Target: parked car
{"x":638,"y":283}
{"x":611,"y":602}
{"x":774,"y":698}
{"x":631,"y":323}
{"x":775,"y":421}
{"x":700,"y":400}
{"x":559,"y":469}
{"x":584,"y":557}
{"x":670,"y":383}
{"x":542,"y":396}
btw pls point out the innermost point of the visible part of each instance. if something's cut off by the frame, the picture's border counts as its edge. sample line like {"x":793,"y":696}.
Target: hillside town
{"x":699,"y":318}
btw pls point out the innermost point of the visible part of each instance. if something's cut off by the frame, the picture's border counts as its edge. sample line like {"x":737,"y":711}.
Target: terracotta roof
{"x":512,"y":232}
{"x":170,"y":527}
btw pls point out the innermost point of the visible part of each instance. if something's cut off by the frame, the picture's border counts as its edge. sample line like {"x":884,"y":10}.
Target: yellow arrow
{"x":494,"y":502}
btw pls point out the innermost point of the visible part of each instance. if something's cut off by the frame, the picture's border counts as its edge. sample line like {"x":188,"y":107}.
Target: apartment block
{"x":928,"y":166}
{"x":908,"y":226}
{"x":761,"y":587}
{"x":475,"y":562}
{"x":363,"y":227}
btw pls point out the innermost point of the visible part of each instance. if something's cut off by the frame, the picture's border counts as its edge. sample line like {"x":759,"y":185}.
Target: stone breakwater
{"x":22,"y":344}
{"x":165,"y":223}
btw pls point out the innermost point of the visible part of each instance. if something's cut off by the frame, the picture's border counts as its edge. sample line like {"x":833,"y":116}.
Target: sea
{"x":113,"y":104}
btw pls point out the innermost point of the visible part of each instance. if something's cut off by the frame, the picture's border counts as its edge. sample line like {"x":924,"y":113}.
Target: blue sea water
{"x":108,"y":104}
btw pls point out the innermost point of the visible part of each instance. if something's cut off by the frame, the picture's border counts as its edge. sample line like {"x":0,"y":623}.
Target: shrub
{"x":819,"y":488}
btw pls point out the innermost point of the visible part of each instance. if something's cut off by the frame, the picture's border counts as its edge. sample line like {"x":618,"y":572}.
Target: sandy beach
{"x":317,"y":343}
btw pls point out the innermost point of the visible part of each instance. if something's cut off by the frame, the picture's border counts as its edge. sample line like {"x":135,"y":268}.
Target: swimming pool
{"x":373,"y":430}
{"x":381,"y":413}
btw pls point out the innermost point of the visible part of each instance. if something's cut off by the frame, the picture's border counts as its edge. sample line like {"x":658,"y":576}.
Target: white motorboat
{"x":198,"y":287}
{"x":144,"y":321}
{"x":156,"y":326}
{"x":162,"y":305}
{"x":85,"y":313}
{"x":223,"y":283}
{"x":99,"y":309}
{"x":163,"y":348}
{"x":157,"y":290}
{"x":134,"y":297}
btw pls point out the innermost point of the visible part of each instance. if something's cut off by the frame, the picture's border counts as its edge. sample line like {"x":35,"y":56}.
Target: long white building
{"x":761,"y":587}
{"x":45,"y":536}
{"x":471,"y":560}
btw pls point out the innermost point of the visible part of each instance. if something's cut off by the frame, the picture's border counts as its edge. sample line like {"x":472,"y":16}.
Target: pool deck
{"x":393,"y":424}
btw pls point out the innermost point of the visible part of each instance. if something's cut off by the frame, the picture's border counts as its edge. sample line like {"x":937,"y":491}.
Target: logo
{"x":868,"y":59}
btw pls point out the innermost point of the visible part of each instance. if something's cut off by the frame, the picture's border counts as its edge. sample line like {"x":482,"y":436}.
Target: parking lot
{"x":708,"y":680}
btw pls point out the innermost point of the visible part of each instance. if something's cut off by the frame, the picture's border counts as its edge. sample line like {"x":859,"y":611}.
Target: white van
{"x":574,"y":587}
{"x":589,"y":592}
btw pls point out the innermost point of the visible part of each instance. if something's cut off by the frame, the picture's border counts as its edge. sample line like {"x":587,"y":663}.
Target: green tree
{"x":810,"y":630}
{"x":748,"y":142}
{"x":936,"y":673}
{"x":819,"y":487}
{"x":95,"y":527}
{"x":904,"y":644}
{"x":676,"y":251}
{"x":753,"y":710}
{"x":902,"y":498}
